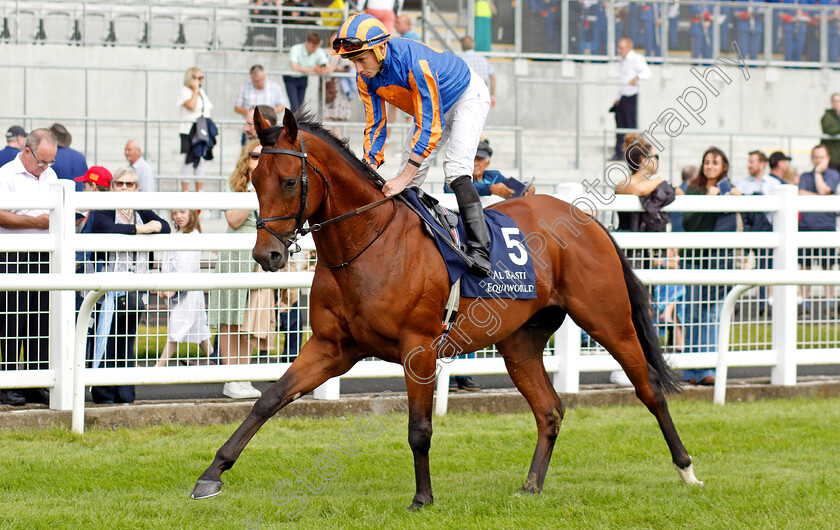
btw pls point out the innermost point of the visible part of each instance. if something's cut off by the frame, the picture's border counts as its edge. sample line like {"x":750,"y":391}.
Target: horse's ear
{"x":290,"y":125}
{"x":260,"y":123}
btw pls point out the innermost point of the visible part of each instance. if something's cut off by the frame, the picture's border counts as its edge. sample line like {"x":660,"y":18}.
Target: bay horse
{"x":380,"y":288}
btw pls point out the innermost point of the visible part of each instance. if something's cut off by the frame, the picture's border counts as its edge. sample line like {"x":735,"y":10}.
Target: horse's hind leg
{"x":522,"y":352}
{"x":617,"y":334}
{"x":311,"y":369}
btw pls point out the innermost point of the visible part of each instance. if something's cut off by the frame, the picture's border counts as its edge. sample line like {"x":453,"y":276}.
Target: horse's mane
{"x":308,"y":121}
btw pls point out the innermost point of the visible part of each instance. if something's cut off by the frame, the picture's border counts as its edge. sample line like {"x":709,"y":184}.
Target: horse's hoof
{"x":531,"y":488}
{"x":687,"y":475}
{"x":206,"y":488}
{"x":416,"y":505}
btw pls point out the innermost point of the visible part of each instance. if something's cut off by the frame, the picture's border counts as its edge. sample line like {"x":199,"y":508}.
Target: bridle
{"x":300,"y":231}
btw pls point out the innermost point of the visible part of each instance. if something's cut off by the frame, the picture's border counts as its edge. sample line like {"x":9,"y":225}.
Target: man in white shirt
{"x":145,"y":175}
{"x":30,"y":171}
{"x":634,"y":68}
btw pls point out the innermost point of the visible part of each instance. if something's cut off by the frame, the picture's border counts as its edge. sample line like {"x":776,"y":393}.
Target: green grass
{"x":770,"y":464}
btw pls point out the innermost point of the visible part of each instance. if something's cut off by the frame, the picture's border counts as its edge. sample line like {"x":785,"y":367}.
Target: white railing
{"x":67,"y":375}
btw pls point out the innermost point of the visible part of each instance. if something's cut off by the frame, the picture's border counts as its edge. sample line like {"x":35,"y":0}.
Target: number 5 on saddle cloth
{"x":513,"y":268}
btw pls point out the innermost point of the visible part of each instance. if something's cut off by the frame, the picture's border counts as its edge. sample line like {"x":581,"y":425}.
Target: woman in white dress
{"x":187,"y":313}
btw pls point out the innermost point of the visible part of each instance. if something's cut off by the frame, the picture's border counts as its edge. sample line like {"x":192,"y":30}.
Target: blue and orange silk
{"x":423,"y":82}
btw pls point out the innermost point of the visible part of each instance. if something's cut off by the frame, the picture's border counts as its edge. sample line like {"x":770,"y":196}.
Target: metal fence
{"x":215,"y":25}
{"x":776,"y":337}
{"x":805,"y":35}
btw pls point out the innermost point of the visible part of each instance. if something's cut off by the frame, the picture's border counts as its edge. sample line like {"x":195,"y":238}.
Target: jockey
{"x":449,"y":102}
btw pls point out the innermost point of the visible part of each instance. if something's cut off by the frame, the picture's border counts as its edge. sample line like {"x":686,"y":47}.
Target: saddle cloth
{"x":513,"y":269}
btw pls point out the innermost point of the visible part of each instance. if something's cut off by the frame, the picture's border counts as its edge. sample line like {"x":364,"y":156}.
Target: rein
{"x":300,"y":231}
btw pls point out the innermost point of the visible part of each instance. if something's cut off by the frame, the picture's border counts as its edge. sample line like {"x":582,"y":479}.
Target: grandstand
{"x":109,"y":70}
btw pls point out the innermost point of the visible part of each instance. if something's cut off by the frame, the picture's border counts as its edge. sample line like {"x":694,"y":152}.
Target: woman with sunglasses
{"x":449,"y":103}
{"x":228,"y":307}
{"x":654,"y":193}
{"x":116,"y":321}
{"x":193,"y":103}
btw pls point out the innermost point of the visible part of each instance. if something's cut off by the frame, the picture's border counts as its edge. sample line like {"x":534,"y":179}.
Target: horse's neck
{"x":348,"y":190}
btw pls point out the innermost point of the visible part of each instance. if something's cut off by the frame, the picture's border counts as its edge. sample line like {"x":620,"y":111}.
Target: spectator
{"x":485,"y":10}
{"x":701,"y":30}
{"x":193,"y":103}
{"x":794,"y":27}
{"x":230,"y":305}
{"x":403,"y":27}
{"x":831,"y":125}
{"x":333,"y":19}
{"x":633,"y":69}
{"x":338,"y":91}
{"x":548,"y":11}
{"x":654,"y":193}
{"x":479,"y":65}
{"x":385,"y":10}
{"x":96,"y":179}
{"x":749,"y":28}
{"x":69,"y":163}
{"x":187,"y":320}
{"x":259,"y":91}
{"x":592,"y":28}
{"x":652,"y":20}
{"x":791,"y":176}
{"x":758,"y":184}
{"x":457,"y":102}
{"x":703,"y":301}
{"x":116,"y":323}
{"x":266,"y":112}
{"x":834,"y":33}
{"x":306,"y":58}
{"x":15,"y":142}
{"x":778,"y":165}
{"x":687,"y":174}
{"x":821,"y":180}
{"x":145,"y":175}
{"x":24,"y":315}
{"x":488,"y":181}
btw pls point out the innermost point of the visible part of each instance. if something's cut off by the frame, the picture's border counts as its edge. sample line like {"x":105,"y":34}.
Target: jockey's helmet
{"x":359,"y":33}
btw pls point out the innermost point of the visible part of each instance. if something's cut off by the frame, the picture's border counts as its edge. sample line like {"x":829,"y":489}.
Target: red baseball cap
{"x":97,"y":175}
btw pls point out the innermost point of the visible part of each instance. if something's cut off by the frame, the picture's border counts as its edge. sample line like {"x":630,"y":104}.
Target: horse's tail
{"x":642,"y":314}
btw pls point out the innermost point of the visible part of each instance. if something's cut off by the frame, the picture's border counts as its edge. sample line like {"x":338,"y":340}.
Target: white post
{"x":329,"y":391}
{"x":567,"y":351}
{"x":62,"y":303}
{"x":786,"y":225}
{"x":442,"y":389}
{"x":78,"y":416}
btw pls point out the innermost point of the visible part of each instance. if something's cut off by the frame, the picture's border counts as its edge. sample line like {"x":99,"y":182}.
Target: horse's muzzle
{"x":269,"y":259}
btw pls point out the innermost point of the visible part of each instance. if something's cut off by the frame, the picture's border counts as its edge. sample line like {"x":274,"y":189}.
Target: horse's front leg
{"x":420,"y":378}
{"x":318,"y":361}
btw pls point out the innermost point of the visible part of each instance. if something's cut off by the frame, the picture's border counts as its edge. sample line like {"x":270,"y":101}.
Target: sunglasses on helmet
{"x":353,"y":44}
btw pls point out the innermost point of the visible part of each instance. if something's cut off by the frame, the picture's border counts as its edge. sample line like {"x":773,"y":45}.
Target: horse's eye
{"x":290,"y":183}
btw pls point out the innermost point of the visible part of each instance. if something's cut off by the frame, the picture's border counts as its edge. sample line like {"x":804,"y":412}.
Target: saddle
{"x":445,"y":219}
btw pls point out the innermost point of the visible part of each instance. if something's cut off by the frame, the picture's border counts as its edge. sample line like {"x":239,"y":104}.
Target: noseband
{"x":300,"y":231}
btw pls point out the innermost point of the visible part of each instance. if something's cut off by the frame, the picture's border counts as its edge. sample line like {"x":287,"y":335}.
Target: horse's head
{"x":282,"y":183}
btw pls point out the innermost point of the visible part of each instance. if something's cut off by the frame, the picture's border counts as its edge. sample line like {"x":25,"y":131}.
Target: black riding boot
{"x":478,"y":238}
